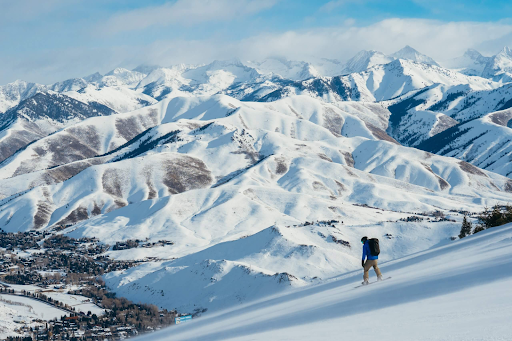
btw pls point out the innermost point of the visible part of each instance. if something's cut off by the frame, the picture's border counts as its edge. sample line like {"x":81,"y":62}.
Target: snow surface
{"x":458,"y":291}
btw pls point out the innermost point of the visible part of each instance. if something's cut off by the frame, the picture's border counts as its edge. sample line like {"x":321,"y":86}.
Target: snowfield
{"x":458,"y":291}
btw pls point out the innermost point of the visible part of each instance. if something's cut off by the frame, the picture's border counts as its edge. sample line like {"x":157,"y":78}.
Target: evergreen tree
{"x":466,"y":228}
{"x":479,"y":228}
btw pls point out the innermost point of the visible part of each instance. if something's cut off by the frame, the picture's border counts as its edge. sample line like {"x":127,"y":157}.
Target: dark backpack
{"x":374,"y":246}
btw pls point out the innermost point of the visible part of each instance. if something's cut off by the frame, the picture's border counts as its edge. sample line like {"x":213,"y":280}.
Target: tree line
{"x":496,"y":216}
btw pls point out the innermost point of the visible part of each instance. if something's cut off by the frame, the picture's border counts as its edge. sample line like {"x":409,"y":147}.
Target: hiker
{"x":371,"y":260}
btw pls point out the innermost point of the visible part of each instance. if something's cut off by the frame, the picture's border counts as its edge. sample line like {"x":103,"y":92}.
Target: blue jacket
{"x":367,"y":253}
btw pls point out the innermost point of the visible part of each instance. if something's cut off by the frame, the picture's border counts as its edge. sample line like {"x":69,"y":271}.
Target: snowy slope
{"x":41,"y":115}
{"x":379,"y":83}
{"x":471,"y":63}
{"x":420,"y":115}
{"x":499,"y":67}
{"x":294,"y":70}
{"x":83,"y":140}
{"x":408,"y":53}
{"x":271,"y":261}
{"x":120,"y":98}
{"x":485,"y":142}
{"x":457,"y":291}
{"x":13,"y":93}
{"x":364,"y":60}
{"x":296,"y":145}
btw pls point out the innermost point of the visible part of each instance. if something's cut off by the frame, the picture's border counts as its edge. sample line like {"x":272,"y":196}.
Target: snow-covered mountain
{"x":294,"y":70}
{"x":422,"y":118}
{"x":472,"y":63}
{"x":41,"y":115}
{"x":263,"y":175}
{"x":485,"y":142}
{"x":408,"y":53}
{"x":365,"y":60}
{"x":215,"y":175}
{"x":497,"y":67}
{"x":13,"y":93}
{"x":379,"y":83}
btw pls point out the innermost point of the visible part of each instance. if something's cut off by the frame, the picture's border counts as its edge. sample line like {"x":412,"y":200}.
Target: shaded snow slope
{"x":485,"y":142}
{"x":41,"y":115}
{"x":457,"y":291}
{"x":380,"y":82}
{"x":86,"y":139}
{"x":293,"y":147}
{"x":422,"y":114}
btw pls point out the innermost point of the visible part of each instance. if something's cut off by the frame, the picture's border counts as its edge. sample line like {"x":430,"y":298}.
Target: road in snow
{"x":42,"y":310}
{"x":459,"y":291}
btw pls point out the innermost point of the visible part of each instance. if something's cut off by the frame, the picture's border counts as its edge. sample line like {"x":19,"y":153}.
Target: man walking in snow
{"x":371,"y":261}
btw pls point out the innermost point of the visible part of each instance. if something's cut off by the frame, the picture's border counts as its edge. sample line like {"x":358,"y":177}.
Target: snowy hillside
{"x":13,"y":93}
{"x":379,"y":83}
{"x":497,"y":67}
{"x":449,"y":291}
{"x":264,"y":145}
{"x":213,"y":175}
{"x":471,"y":63}
{"x":41,"y":115}
{"x":485,"y":142}
{"x":239,"y":180}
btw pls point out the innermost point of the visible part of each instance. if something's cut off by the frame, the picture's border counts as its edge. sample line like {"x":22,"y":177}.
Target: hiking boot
{"x":379,"y":278}
{"x":365,"y":283}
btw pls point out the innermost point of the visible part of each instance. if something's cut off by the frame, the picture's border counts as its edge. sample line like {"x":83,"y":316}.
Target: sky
{"x":52,"y":40}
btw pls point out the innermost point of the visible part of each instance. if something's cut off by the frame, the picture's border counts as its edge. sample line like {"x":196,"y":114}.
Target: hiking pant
{"x":369,"y":264}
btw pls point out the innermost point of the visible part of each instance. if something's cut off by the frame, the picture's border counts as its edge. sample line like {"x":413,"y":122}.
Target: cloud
{"x":184,"y":12}
{"x":332,"y":5}
{"x":440,"y":40}
{"x":26,"y":10}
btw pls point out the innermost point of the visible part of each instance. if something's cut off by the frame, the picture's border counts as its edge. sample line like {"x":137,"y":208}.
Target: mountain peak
{"x":506,"y":51}
{"x":365,"y":59}
{"x":410,"y":53}
{"x":95,"y":77}
{"x":408,"y":48}
{"x":472,"y":54}
{"x":117,"y":70}
{"x":146,"y":68}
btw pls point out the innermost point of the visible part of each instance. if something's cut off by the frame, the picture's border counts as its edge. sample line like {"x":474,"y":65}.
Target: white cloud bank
{"x":440,"y":40}
{"x":184,"y":12}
